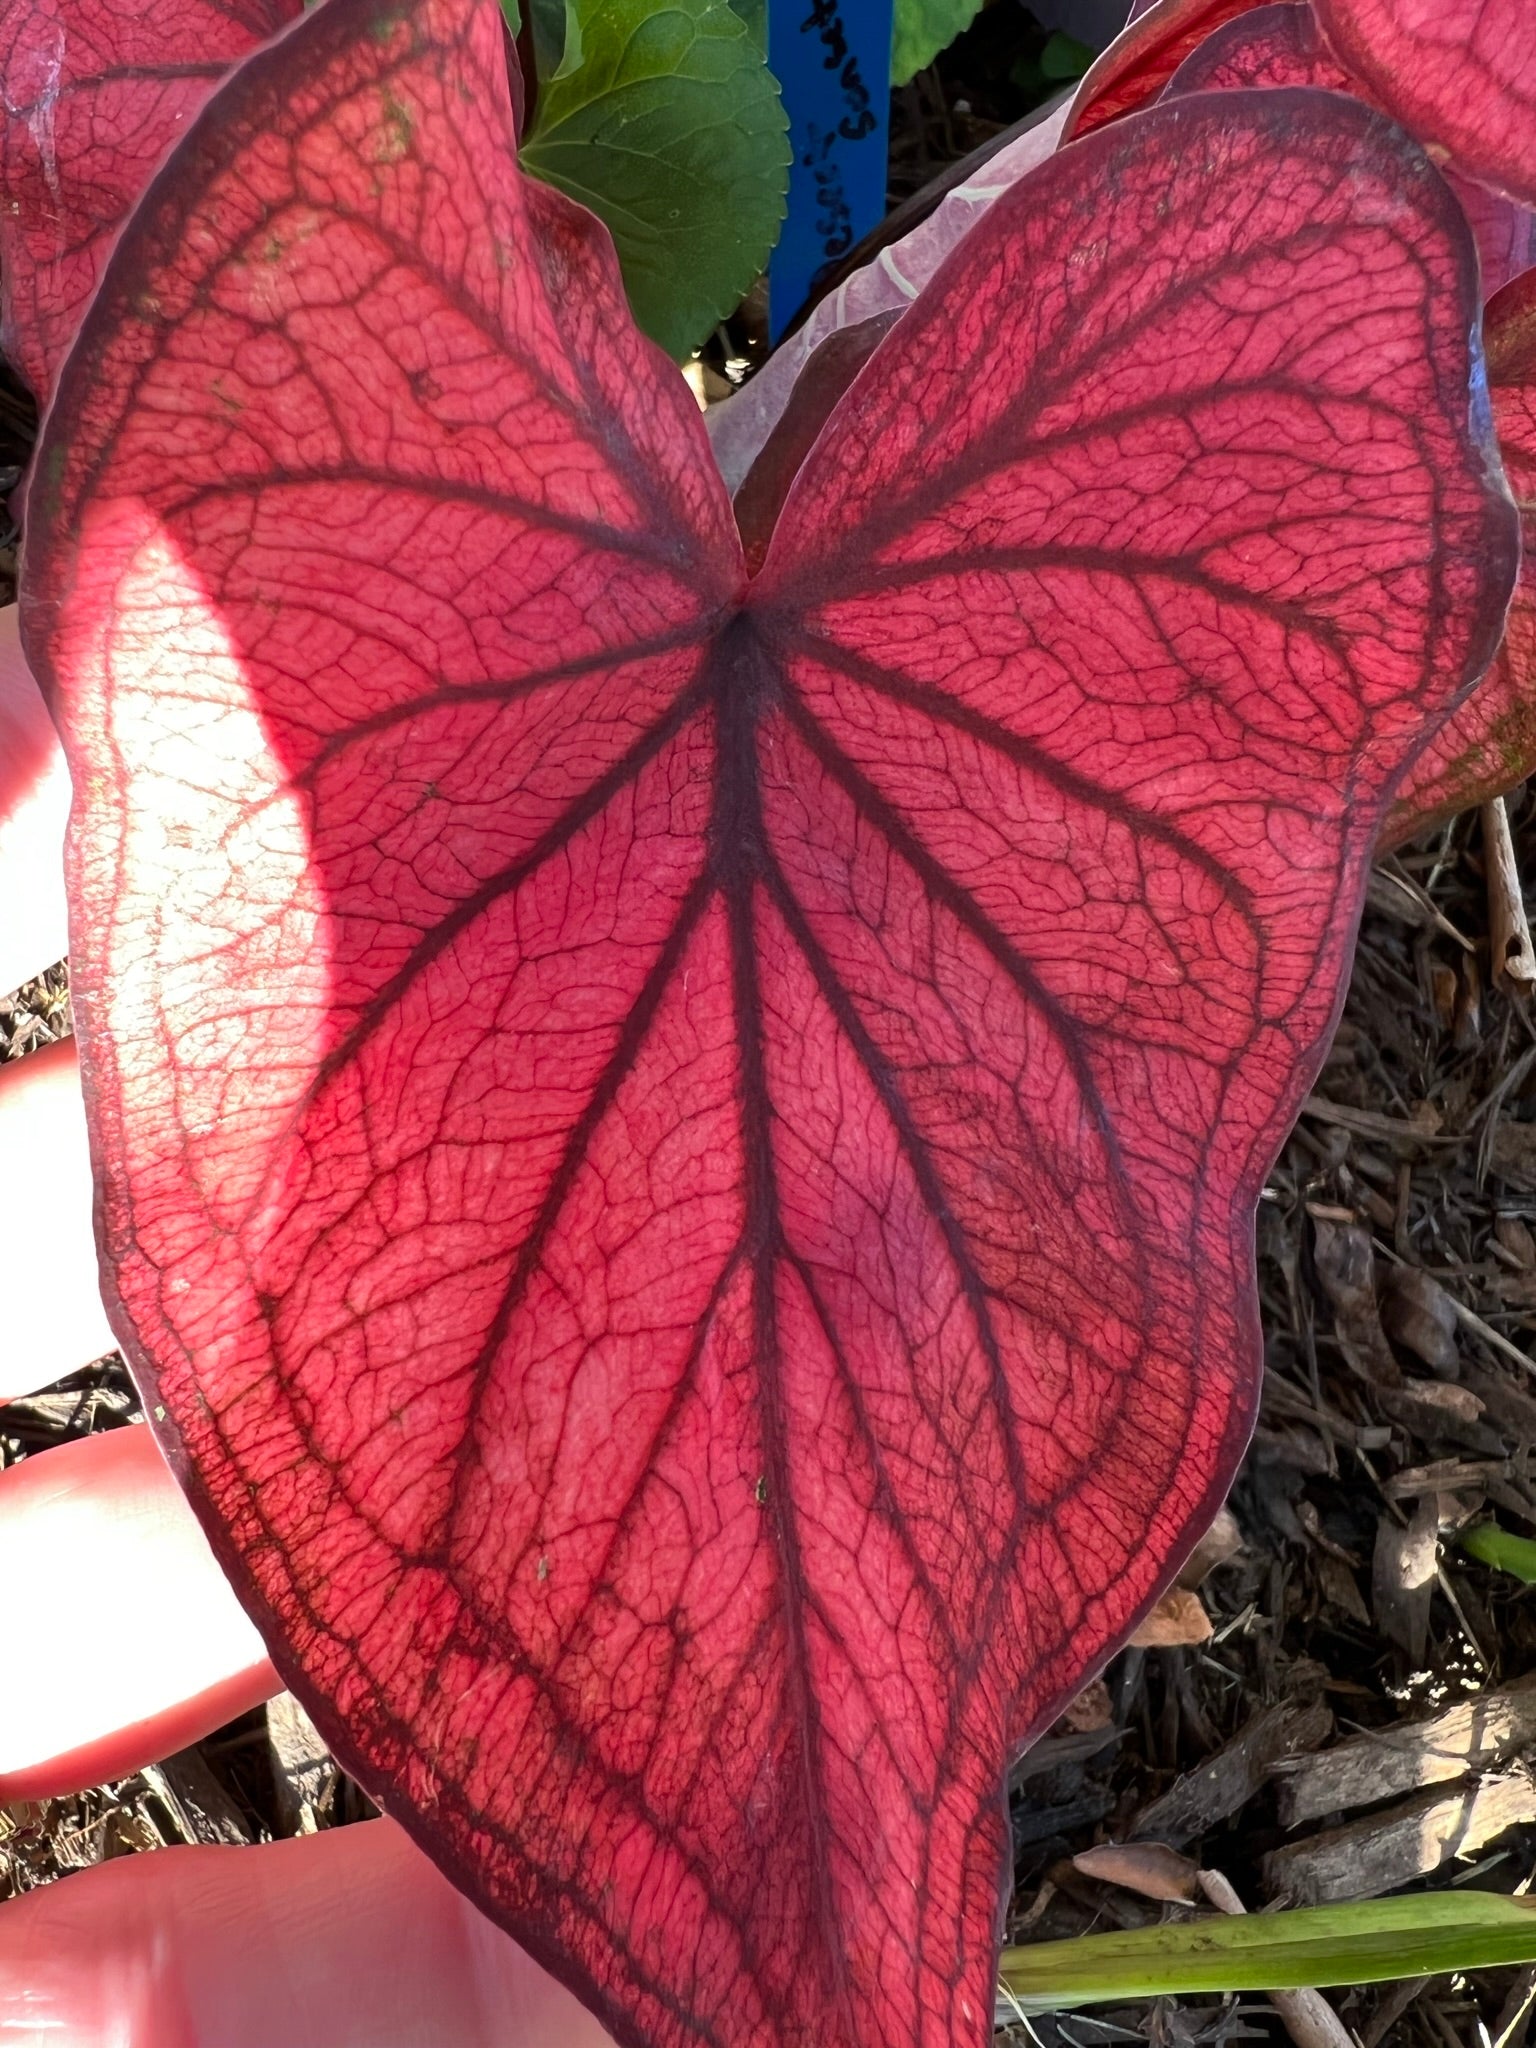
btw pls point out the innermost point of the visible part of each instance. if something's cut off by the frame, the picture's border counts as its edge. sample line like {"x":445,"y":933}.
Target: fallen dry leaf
{"x":1177,"y":1620}
{"x":1418,"y":1312}
{"x":1151,"y":1868}
{"x":1223,"y":1540}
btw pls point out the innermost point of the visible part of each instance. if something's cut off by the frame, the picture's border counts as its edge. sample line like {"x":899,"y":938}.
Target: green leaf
{"x":921,"y":28}
{"x":556,"y":28}
{"x":1490,"y":1544}
{"x":1376,"y":1942}
{"x":755,"y":14}
{"x":669,"y":127}
{"x":1064,"y":58}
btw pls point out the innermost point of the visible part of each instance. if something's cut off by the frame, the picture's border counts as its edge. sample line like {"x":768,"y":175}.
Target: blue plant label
{"x":832,"y":59}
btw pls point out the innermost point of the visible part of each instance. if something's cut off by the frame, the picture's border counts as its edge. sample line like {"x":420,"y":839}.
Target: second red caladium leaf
{"x":1283,"y":45}
{"x":677,"y":1154}
{"x":1143,"y":57}
{"x":1490,"y":743}
{"x":1460,"y":73}
{"x":92,"y":94}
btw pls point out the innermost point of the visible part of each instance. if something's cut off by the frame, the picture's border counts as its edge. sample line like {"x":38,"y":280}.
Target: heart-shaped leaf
{"x":677,"y":1154}
{"x":92,"y":94}
{"x":1459,"y":73}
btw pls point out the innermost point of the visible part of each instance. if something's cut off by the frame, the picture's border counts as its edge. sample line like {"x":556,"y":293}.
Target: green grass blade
{"x":1377,"y":1941}
{"x":1491,"y":1545}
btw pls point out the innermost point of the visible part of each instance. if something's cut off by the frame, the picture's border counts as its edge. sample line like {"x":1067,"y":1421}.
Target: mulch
{"x":1361,"y":1717}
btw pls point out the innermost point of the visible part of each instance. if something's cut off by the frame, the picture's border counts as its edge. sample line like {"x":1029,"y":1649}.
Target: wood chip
{"x":1384,"y":1850}
{"x":1507,"y":1405}
{"x":1175,"y":1622}
{"x":1509,"y":931}
{"x":1512,"y":1154}
{"x":303,"y":1770}
{"x":1512,"y":2023}
{"x":199,"y":1809}
{"x":1342,"y":1590}
{"x":1220,"y":1543}
{"x":1055,"y":1752}
{"x":1395,"y":2000}
{"x":1421,"y":1128}
{"x":1345,"y":1260}
{"x":1427,"y":1406}
{"x":1150,"y":1868}
{"x":1091,"y":1710}
{"x":1474,"y":1735}
{"x":1417,"y":1312}
{"x":1225,"y":1782}
{"x":1403,"y":1577}
{"x":1450,"y":1475}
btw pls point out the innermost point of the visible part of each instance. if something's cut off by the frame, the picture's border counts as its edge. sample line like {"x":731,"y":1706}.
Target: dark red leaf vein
{"x":941,"y":885}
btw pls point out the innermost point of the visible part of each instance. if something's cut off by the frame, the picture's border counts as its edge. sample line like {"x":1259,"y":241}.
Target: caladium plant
{"x":677,"y":1148}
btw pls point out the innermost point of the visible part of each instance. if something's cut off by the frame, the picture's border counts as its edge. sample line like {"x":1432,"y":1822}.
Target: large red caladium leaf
{"x":1460,"y":73}
{"x":677,"y":1154}
{"x":1283,"y":45}
{"x":1490,"y":743}
{"x":92,"y":94}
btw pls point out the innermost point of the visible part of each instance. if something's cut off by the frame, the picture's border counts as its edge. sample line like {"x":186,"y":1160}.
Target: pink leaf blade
{"x":91,"y":97}
{"x":1460,"y":74}
{"x":1283,"y":45}
{"x":931,"y":667}
{"x":641,"y":1209}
